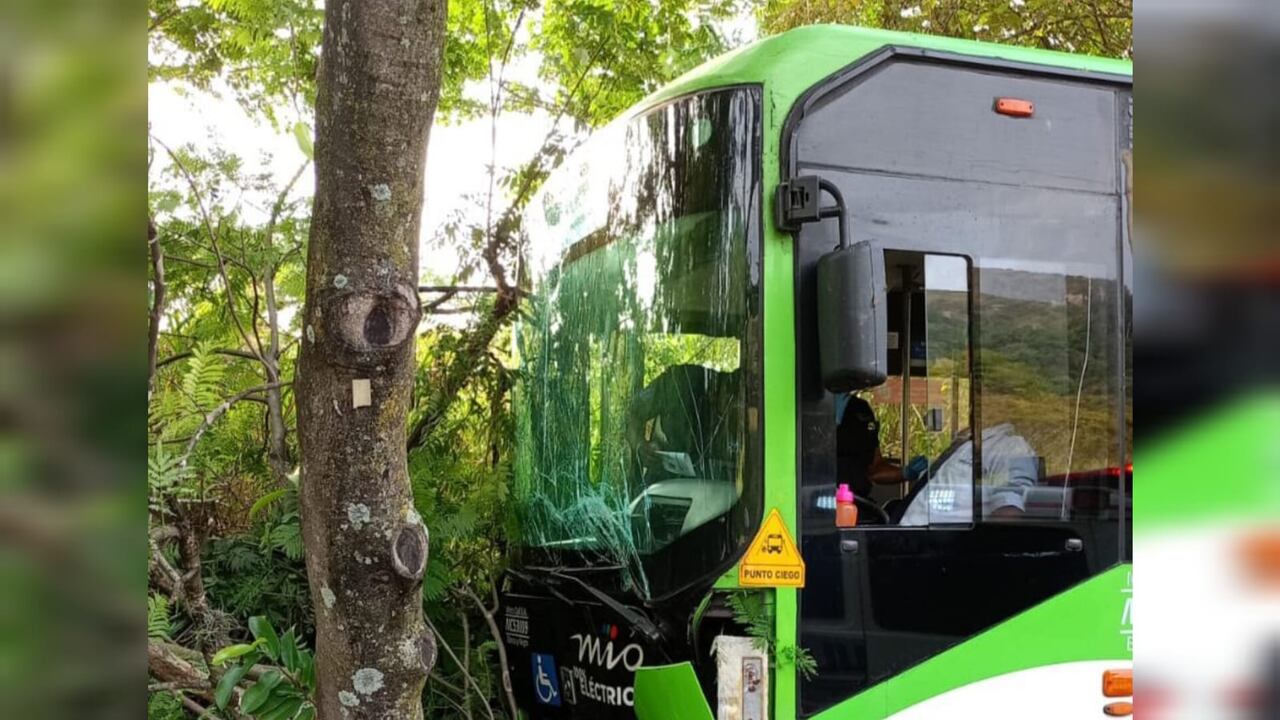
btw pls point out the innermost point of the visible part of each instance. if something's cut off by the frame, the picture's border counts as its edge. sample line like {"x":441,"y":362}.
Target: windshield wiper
{"x":635,"y":619}
{"x":538,"y":580}
{"x":638,"y":621}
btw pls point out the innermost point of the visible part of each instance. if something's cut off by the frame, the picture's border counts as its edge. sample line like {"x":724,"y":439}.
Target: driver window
{"x":919,"y":467}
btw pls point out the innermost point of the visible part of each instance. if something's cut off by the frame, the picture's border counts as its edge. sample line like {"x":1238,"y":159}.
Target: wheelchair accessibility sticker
{"x":546,"y":681}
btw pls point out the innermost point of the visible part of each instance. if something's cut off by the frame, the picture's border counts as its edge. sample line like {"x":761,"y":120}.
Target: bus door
{"x":991,"y":465}
{"x":957,"y":530}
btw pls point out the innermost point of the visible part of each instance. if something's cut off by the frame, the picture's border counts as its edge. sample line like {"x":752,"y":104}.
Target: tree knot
{"x":409,"y":547}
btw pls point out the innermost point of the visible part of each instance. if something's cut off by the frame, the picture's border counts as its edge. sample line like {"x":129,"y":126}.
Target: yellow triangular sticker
{"x":772,"y":559}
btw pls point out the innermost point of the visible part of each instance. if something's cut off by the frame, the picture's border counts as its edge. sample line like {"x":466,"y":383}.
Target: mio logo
{"x":603,"y":654}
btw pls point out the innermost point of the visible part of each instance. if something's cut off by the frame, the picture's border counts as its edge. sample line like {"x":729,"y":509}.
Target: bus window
{"x":922,"y":412}
{"x":1048,"y":393}
{"x":1041,"y":388}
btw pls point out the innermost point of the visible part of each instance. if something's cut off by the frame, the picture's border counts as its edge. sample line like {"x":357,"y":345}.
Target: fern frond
{"x":203,"y":382}
{"x":159,"y":619}
{"x":165,"y":476}
{"x":438,"y":578}
{"x":287,"y":538}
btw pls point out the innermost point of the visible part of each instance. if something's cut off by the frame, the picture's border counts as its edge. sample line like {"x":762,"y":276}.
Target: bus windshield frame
{"x":637,"y":400}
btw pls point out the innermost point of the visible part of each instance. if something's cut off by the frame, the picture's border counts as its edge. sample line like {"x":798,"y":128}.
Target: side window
{"x":1049,"y":392}
{"x":920,"y":471}
{"x":1021,"y":350}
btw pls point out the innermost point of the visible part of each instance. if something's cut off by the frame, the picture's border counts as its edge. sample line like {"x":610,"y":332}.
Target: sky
{"x":457,"y":155}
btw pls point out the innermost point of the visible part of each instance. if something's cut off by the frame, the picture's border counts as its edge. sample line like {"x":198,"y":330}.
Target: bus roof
{"x":792,"y":62}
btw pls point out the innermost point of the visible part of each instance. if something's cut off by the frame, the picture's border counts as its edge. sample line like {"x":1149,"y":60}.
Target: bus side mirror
{"x":851,"y":318}
{"x":851,"y":289}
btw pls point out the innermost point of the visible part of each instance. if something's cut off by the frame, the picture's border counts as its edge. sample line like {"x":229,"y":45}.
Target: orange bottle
{"x":846,"y":510}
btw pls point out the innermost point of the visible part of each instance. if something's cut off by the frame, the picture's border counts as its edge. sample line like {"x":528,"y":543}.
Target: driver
{"x":858,"y":459}
{"x":684,"y":422}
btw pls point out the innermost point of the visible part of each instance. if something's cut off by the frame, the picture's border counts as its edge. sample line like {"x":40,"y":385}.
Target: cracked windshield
{"x":633,"y":392}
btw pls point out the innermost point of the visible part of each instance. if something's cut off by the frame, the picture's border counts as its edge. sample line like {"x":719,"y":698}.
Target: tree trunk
{"x":366,"y":546}
{"x":277,"y":433}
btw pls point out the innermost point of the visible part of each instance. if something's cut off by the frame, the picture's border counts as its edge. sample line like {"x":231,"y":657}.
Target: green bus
{"x":836,"y":256}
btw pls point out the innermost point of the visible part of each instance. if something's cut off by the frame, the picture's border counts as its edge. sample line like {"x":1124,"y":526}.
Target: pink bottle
{"x":846,"y":510}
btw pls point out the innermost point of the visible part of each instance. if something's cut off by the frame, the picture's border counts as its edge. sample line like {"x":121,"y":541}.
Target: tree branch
{"x":278,"y":447}
{"x":177,"y":591}
{"x":457,"y":370}
{"x":457,"y":288}
{"x":157,"y":301}
{"x":164,"y":664}
{"x":188,"y":353}
{"x":189,"y":261}
{"x":213,"y":415}
{"x":496,"y":633}
{"x":432,"y":310}
{"x":213,"y":239}
{"x":195,"y":707}
{"x":466,"y":672}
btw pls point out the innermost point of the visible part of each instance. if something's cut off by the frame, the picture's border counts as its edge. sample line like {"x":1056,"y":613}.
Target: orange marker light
{"x":1260,"y":555}
{"x":1117,"y":683}
{"x":1013,"y":107}
{"x":1119,"y":709}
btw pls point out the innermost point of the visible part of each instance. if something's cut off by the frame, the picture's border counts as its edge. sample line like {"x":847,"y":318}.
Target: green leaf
{"x":232,"y":652}
{"x":288,"y":538}
{"x":308,"y":712}
{"x":256,"y":696}
{"x":227,"y":684}
{"x":307,"y":676}
{"x":302,"y":134}
{"x":261,"y":628}
{"x":284,"y":710}
{"x":283,"y":703}
{"x":275,"y":699}
{"x":168,"y":203}
{"x":289,"y":651}
{"x":438,"y":578}
{"x":203,"y":383}
{"x":266,"y":500}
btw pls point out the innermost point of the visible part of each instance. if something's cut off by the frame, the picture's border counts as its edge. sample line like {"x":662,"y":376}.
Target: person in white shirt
{"x":1009,"y":470}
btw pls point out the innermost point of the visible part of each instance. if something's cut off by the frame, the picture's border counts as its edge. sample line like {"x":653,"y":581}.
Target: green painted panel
{"x":670,"y":692}
{"x":1084,"y":623}
{"x":790,"y":63}
{"x":779,"y":404}
{"x":1221,"y":468}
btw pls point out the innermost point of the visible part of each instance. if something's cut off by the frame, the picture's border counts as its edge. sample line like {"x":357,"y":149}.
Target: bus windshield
{"x":632,"y":395}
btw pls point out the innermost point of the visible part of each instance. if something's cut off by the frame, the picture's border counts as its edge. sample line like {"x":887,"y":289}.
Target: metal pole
{"x":905,"y":418}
